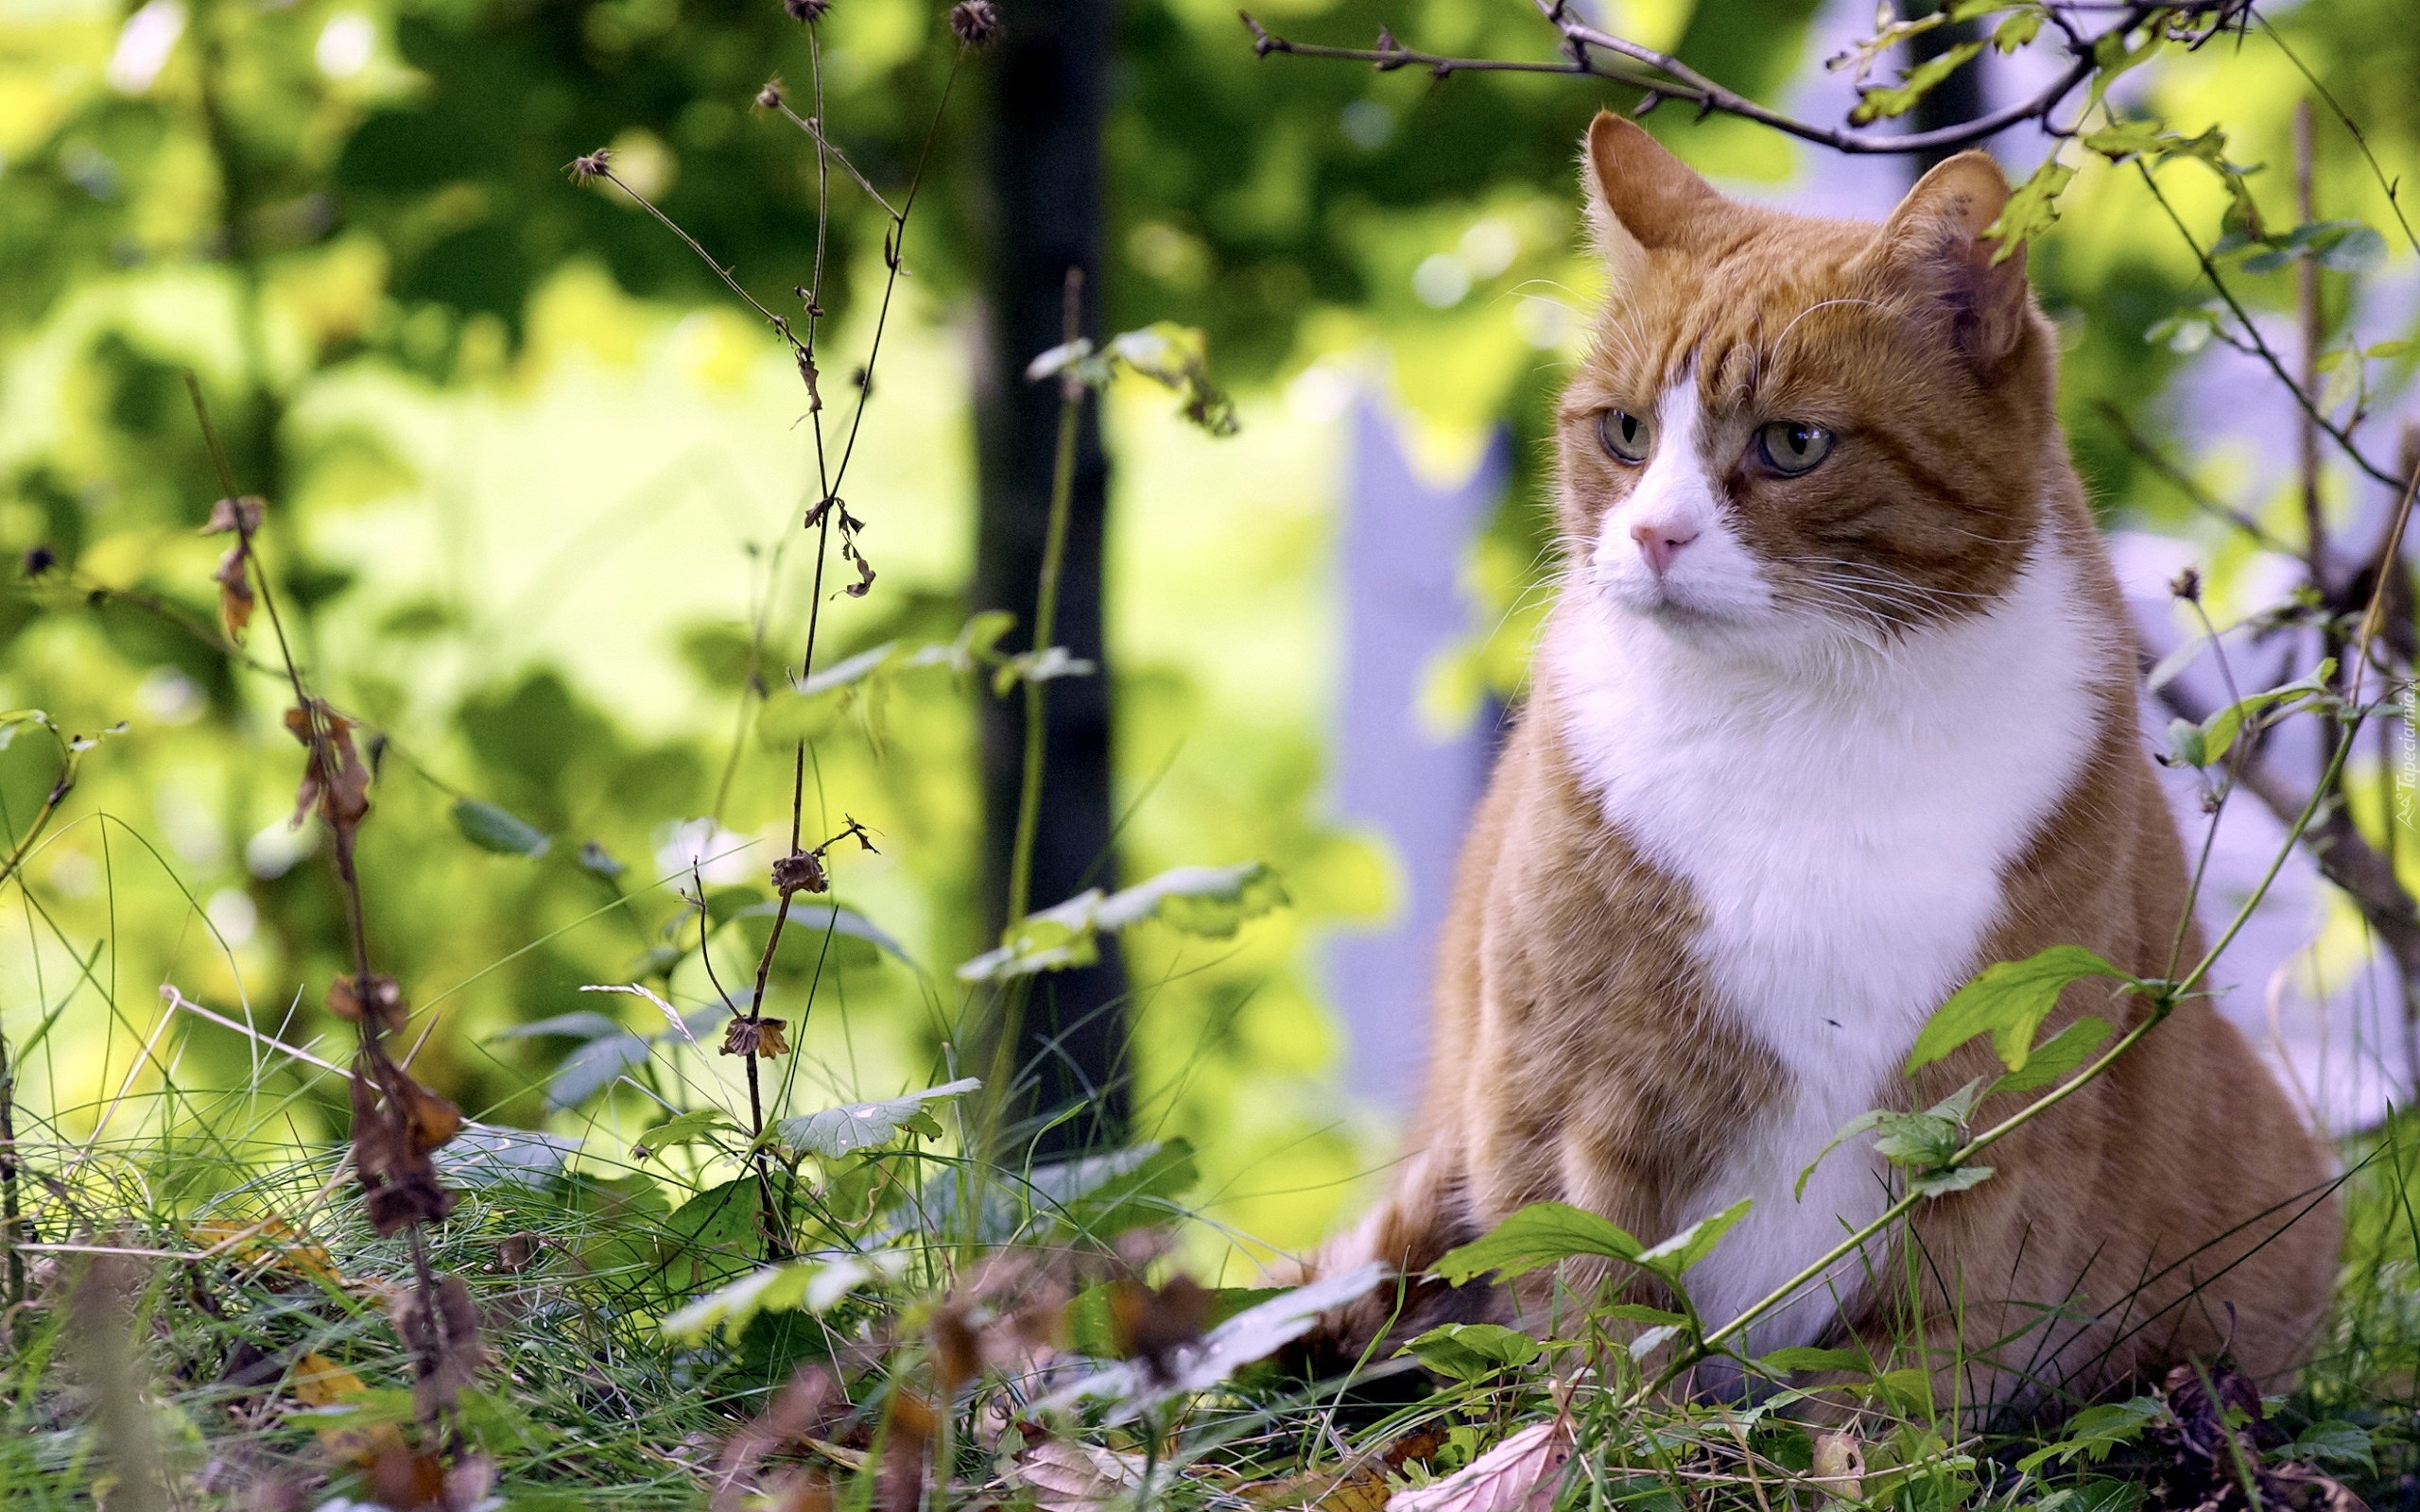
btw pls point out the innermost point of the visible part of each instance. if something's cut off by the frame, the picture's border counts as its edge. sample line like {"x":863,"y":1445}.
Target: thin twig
{"x":1664,"y":77}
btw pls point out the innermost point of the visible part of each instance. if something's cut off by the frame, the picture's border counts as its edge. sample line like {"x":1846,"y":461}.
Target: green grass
{"x":137,"y":1280}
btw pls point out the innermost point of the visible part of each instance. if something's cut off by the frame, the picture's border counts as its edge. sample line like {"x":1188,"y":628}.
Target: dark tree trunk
{"x":1955,"y":101}
{"x":1048,"y":81}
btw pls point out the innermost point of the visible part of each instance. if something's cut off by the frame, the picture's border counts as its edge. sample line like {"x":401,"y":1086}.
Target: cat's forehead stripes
{"x":1744,"y":323}
{"x":1941,"y":423}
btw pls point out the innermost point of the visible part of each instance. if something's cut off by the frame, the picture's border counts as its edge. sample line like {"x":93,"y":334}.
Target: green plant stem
{"x":1046,"y":618}
{"x":11,"y":1230}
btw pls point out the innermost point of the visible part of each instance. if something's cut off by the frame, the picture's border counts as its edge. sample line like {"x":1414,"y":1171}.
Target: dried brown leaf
{"x":334,"y":780}
{"x":404,"y":1481}
{"x":1360,"y":1485}
{"x":235,"y":592}
{"x":746,"y":1036}
{"x":320,"y":1381}
{"x":1067,"y":1476}
{"x":957,"y":1349}
{"x":1520,"y":1474}
{"x":1839,"y":1465}
{"x":391,"y":1147}
{"x":443,"y":1333}
{"x":805,"y":1404}
{"x":386,"y":996}
{"x":907,"y":1450}
{"x":243,"y":514}
{"x":800,"y":871}
{"x":514,"y":1252}
{"x":433,"y":1120}
{"x":1151,"y":1324}
{"x":270,"y":1244}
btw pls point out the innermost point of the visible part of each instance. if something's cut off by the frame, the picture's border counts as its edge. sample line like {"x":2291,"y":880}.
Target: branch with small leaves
{"x":1585,"y":50}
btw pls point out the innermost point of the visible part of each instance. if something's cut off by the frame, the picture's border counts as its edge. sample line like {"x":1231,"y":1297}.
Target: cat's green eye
{"x":1625,"y":435}
{"x":1791,"y":447}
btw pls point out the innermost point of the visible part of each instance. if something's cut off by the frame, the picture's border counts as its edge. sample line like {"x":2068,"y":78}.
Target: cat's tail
{"x":1423,"y":1215}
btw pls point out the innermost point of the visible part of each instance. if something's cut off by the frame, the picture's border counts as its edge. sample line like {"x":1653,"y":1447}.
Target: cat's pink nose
{"x":1659,"y":541}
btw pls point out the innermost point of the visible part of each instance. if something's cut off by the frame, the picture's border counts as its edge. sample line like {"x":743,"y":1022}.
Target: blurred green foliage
{"x":533,"y":485}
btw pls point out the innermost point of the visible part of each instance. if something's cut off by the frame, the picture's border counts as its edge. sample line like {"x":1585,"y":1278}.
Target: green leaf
{"x":2031,"y":207}
{"x":1693,"y":1244}
{"x":2055,"y":1057}
{"x":2339,"y":246}
{"x":1917,"y":1141}
{"x":2209,"y":741}
{"x":595,"y":857}
{"x":811,"y":1285}
{"x":837,"y":1131}
{"x":1471,"y":1353}
{"x":2094,"y":1432}
{"x":2337,"y":1441}
{"x":1651,"y":1340}
{"x":1878,"y":103}
{"x":1209,"y":900}
{"x":2007,"y":1001}
{"x":1636,"y":1313}
{"x":709,"y":1238}
{"x":594,"y":1067}
{"x":1941,"y":1183}
{"x":839,"y":918}
{"x":2186,"y":747}
{"x":1102,"y":1197}
{"x":683,"y":1128}
{"x":2127,"y":139}
{"x":492,"y":829}
{"x":585,"y":1025}
{"x":2018,"y":31}
{"x":1539,"y":1236}
{"x":1802,"y":1357}
{"x":2404,"y":347}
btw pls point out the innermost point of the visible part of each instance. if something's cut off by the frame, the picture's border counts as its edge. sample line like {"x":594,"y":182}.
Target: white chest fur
{"x":1844,"y":827}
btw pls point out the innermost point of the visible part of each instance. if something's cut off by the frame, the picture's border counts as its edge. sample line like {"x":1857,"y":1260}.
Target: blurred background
{"x":535,"y":479}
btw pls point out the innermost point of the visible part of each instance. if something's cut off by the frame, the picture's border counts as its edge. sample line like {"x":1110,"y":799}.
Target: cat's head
{"x":1795,"y":429}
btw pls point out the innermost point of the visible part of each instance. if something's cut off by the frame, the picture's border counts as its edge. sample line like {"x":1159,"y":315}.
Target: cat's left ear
{"x":1936,"y":240}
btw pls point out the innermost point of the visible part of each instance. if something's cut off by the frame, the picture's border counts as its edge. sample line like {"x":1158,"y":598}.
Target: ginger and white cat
{"x":1838,"y":707}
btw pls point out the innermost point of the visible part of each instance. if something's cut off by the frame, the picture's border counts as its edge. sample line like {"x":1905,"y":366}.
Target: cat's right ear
{"x":1640,"y":197}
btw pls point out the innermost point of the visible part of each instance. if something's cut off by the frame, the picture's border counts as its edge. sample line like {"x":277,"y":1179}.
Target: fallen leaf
{"x":906,"y":1450}
{"x":270,"y":1244}
{"x":2218,"y":1428}
{"x":800,"y":1407}
{"x":320,"y":1384}
{"x":1520,"y":1474}
{"x":402,"y":1481}
{"x":1066,"y":1476}
{"x":1839,"y":1465}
